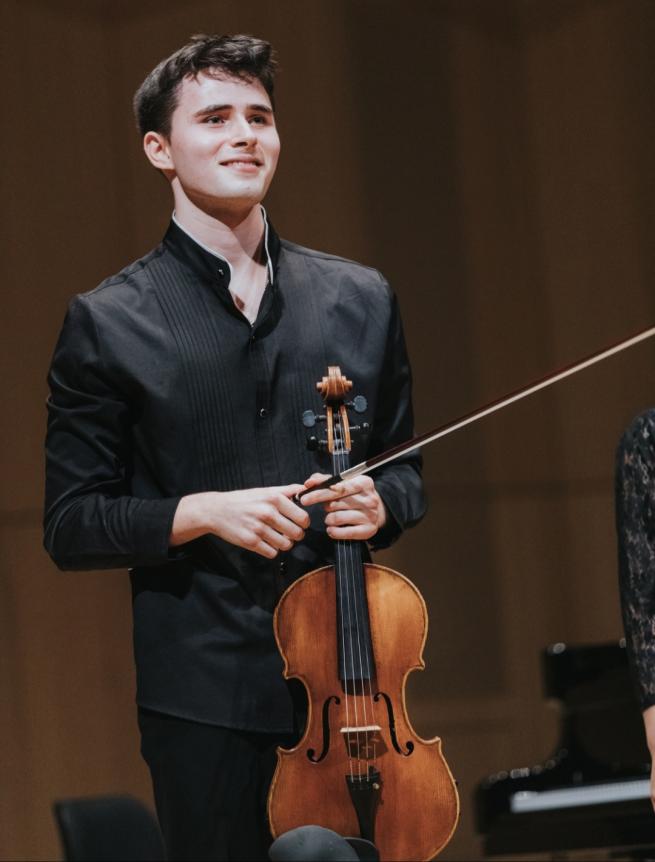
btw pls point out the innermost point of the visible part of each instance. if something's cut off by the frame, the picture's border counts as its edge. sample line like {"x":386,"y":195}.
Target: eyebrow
{"x":213,"y":109}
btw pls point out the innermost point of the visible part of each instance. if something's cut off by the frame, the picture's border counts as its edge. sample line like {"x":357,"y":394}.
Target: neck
{"x":237,"y":238}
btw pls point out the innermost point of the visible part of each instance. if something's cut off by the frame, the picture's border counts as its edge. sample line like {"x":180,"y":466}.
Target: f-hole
{"x":311,"y":753}
{"x":409,"y":745}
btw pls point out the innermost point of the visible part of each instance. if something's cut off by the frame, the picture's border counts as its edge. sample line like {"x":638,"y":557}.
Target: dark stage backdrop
{"x":494,"y":160}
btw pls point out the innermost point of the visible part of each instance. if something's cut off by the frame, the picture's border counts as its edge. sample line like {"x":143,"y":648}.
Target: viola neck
{"x":355,"y":650}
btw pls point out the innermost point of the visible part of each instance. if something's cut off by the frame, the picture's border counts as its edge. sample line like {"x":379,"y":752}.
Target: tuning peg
{"x":364,"y":427}
{"x":309,"y":418}
{"x":313,"y":444}
{"x":358,"y":404}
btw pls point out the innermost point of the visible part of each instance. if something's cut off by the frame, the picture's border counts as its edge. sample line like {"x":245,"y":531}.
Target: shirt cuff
{"x":152,"y":529}
{"x":391,"y":530}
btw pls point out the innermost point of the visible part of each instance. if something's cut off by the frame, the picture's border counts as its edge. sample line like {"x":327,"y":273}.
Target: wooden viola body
{"x":352,"y":633}
{"x":360,"y":769}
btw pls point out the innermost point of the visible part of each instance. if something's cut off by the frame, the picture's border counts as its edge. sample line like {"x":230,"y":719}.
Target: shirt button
{"x":283,"y":567}
{"x":221,"y":272}
{"x":263,"y":413}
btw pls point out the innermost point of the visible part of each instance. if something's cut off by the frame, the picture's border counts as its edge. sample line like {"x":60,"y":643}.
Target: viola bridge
{"x":363,"y":742}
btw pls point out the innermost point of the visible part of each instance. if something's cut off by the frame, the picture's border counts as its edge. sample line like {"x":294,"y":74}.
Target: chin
{"x":234,"y":198}
{"x":248,"y":197}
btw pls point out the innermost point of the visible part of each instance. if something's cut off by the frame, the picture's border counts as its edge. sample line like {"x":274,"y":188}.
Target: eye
{"x":259,"y":119}
{"x":214,"y":120}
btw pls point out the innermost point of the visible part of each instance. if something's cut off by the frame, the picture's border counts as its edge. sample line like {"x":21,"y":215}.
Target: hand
{"x":263,"y":520}
{"x":355,"y":509}
{"x":649,"y":725}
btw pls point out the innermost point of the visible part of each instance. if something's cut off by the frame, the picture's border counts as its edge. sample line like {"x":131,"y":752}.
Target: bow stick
{"x":492,"y":407}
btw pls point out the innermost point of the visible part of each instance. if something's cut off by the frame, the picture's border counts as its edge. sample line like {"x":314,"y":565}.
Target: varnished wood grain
{"x":419,"y":806}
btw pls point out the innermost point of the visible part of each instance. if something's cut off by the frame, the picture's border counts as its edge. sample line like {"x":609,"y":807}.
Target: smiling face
{"x":223,"y":147}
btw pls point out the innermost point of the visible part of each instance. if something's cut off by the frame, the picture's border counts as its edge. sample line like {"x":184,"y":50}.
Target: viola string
{"x":353,"y":569}
{"x":354,"y":621}
{"x":369,"y":658}
{"x":339,"y":571}
{"x":352,"y":574}
{"x":365,"y":673}
{"x":342,"y":560}
{"x":357,"y":570}
{"x":352,"y":552}
{"x":368,"y":653}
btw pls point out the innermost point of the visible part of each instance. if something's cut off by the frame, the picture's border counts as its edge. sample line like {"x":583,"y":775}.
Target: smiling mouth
{"x":242,"y":163}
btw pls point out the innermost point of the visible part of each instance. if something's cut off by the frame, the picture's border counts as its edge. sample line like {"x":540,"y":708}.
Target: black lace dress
{"x":635,"y":521}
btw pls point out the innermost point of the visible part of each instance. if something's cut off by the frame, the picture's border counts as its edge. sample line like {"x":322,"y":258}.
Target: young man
{"x":175,"y":443}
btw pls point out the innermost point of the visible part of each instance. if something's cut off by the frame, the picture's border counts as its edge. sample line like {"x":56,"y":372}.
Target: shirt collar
{"x":209,"y":264}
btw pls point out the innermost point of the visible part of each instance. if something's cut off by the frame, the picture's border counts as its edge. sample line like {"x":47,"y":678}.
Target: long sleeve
{"x":91,"y":518}
{"x":398,"y":483}
{"x":160,"y":388}
{"x":635,"y":519}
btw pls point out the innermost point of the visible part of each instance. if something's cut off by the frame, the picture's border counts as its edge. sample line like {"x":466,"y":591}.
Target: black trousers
{"x":210,"y":785}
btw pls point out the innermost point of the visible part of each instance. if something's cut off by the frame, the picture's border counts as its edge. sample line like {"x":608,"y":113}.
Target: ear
{"x":157,"y":149}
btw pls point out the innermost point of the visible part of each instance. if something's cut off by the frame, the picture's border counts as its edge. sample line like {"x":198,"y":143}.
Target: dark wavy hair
{"x":234,"y":56}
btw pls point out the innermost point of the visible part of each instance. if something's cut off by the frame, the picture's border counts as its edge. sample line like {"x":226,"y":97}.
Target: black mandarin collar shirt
{"x":216,"y":270}
{"x":160,"y":387}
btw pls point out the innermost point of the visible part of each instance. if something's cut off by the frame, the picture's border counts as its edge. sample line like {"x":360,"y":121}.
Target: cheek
{"x":192,"y":168}
{"x":273,"y":147}
{"x":186,"y":153}
{"x":201,"y":144}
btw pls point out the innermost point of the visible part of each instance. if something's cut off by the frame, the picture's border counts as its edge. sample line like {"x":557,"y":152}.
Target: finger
{"x":323,"y":495}
{"x":356,"y":501}
{"x":347,"y":517}
{"x":361,"y":485}
{"x":275,"y":539}
{"x":289,"y":490}
{"x":262,"y":541}
{"x":273,"y":519}
{"x":355,"y":533}
{"x":315,"y":479}
{"x":293,"y":512}
{"x":264,"y":550}
{"x":313,"y":488}
{"x":361,"y":488}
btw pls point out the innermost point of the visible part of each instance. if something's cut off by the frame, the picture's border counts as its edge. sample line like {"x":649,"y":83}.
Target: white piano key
{"x":571,"y":797}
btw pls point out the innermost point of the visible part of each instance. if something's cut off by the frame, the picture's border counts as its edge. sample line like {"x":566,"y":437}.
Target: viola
{"x":352,"y":633}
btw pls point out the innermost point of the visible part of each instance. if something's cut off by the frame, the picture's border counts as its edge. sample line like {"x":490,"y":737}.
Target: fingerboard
{"x":355,"y":650}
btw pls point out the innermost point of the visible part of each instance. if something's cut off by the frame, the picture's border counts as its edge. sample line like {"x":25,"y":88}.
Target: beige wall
{"x":494,"y":160}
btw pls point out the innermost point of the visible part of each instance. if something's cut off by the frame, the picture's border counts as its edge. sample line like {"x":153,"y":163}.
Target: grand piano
{"x":593,"y":792}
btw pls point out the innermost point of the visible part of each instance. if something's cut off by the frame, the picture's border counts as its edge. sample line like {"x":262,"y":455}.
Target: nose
{"x":243,"y":133}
